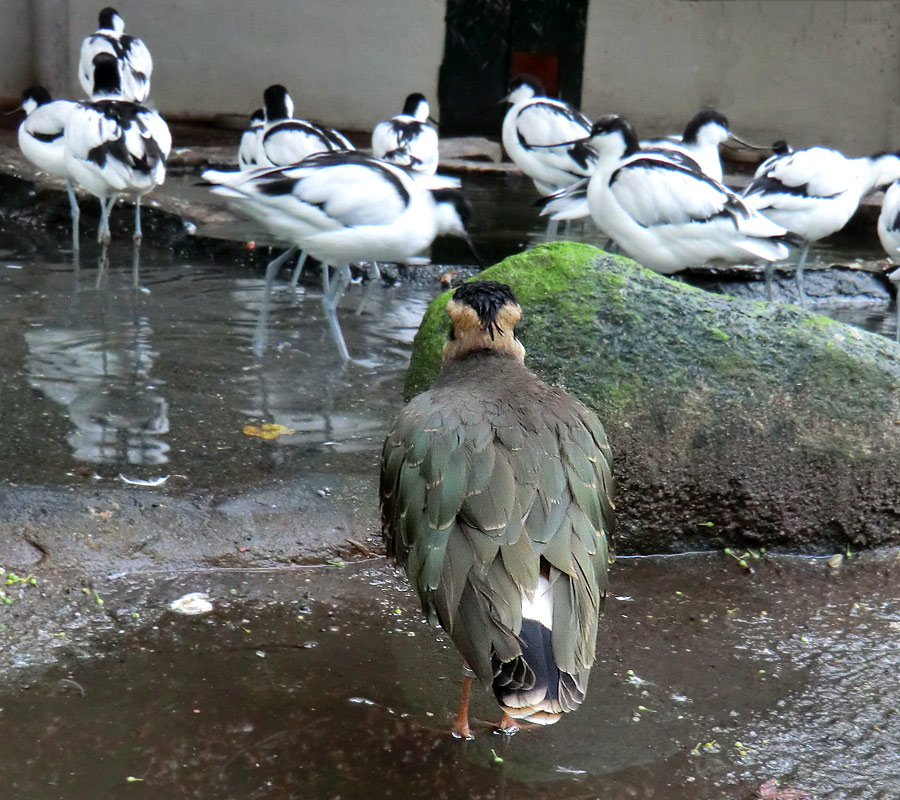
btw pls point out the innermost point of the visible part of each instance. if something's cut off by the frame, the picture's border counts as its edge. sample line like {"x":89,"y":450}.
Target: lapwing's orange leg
{"x":461,"y":729}
{"x":507,"y":725}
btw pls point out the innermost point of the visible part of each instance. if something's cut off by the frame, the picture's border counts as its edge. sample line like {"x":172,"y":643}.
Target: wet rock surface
{"x":730,"y":421}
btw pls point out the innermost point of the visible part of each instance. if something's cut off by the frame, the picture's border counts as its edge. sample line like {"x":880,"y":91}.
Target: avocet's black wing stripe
{"x":770,"y":185}
{"x":656,"y":191}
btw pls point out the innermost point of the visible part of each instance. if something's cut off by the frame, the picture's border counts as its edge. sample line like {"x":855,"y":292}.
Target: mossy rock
{"x":732,"y":422}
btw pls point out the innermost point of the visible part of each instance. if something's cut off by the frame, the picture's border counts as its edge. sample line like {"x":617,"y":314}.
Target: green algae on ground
{"x":762,"y":416}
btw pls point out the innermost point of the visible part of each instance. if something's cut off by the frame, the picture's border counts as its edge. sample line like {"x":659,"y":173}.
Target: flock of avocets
{"x":662,"y":201}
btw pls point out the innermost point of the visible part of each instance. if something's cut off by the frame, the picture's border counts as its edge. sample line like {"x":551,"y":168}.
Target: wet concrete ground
{"x":325,"y":683}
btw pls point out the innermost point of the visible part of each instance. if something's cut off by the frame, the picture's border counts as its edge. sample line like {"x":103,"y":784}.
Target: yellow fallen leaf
{"x":268,"y":430}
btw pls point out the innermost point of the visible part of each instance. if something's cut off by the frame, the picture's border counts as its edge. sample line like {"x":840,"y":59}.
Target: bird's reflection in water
{"x":96,"y":364}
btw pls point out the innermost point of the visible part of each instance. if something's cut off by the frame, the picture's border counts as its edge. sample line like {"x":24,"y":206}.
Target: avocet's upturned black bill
{"x":702,"y":136}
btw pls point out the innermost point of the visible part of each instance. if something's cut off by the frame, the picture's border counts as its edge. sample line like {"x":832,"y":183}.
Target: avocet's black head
{"x":609,"y":126}
{"x":107,"y":81}
{"x":453,"y":211}
{"x":278,"y":103}
{"x":412,"y":103}
{"x":110,"y":20}
{"x":524,"y":87}
{"x":35,"y":96}
{"x":781,"y":148}
{"x":456,"y":199}
{"x":708,"y":116}
{"x":257,"y":117}
{"x":483,"y":315}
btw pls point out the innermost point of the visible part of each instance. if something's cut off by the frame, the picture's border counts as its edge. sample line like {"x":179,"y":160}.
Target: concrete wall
{"x":809,"y":71}
{"x":349,"y":63}
{"x":15,"y":49}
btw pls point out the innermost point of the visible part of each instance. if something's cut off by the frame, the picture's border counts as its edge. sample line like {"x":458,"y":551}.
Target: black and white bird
{"x":407,"y":139}
{"x":249,"y":156}
{"x":545,"y":137}
{"x":702,"y":136}
{"x":779,"y":148}
{"x":133,"y":58}
{"x":114,"y":146}
{"x":344,"y":208}
{"x":814,"y":192}
{"x":42,"y":142}
{"x":664,"y":214}
{"x":286,"y":140}
{"x":889,"y":234}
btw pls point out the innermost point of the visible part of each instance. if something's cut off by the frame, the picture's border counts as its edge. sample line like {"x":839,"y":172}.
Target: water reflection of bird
{"x":496,"y":498}
{"x":41,"y":140}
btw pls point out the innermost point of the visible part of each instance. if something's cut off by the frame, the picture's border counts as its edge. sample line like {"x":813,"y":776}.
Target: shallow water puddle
{"x":322,"y":683}
{"x":161,"y":379}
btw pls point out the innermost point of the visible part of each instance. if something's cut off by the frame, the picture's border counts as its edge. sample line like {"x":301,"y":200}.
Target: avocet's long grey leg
{"x":338,"y":287}
{"x":102,"y":264}
{"x":262,"y":323}
{"x":374,"y":273}
{"x":799,"y":277}
{"x":275,"y":265}
{"x":770,"y":270}
{"x":76,"y":218}
{"x":552,"y":230}
{"x":329,"y":301}
{"x":138,"y":233}
{"x":136,"y":265}
{"x":103,"y":233}
{"x":298,"y":271}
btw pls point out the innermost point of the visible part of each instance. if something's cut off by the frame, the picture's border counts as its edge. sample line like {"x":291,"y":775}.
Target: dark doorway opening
{"x":487,"y":42}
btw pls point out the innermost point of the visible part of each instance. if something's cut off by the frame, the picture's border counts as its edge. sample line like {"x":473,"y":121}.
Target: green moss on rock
{"x":765,"y":409}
